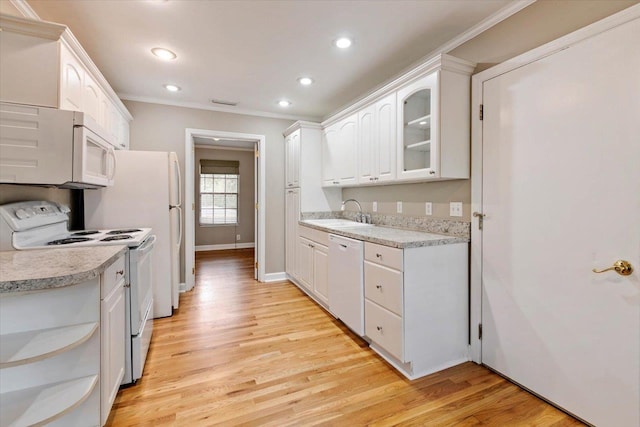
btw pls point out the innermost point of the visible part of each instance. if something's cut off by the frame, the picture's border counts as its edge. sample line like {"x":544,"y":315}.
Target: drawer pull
{"x":120,"y":272}
{"x":379,"y":328}
{"x":378,"y":286}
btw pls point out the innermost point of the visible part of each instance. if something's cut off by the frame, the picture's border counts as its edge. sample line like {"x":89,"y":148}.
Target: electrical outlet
{"x":428,"y":208}
{"x":399,"y":207}
{"x":374,"y":206}
{"x":237,"y":237}
{"x":455,"y":209}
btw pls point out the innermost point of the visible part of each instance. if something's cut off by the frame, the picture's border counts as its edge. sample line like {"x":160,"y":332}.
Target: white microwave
{"x":47,"y":146}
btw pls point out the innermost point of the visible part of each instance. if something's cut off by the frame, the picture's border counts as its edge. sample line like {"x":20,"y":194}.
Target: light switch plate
{"x":428,"y":208}
{"x":237,"y":237}
{"x":374,"y":206}
{"x":455,"y":209}
{"x":399,"y":207}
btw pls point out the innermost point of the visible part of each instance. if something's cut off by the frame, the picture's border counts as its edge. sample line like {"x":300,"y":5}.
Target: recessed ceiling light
{"x":172,"y":88}
{"x":216,"y":139}
{"x":423,"y":123}
{"x":343,"y":42}
{"x":163,"y":53}
{"x":284,"y":103}
{"x":305,"y":81}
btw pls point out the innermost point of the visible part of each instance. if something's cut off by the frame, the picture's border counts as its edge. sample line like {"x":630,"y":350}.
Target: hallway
{"x":239,"y":352}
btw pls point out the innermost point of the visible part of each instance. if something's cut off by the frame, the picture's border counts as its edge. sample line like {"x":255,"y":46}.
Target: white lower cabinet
{"x":112,"y":336}
{"x":313,"y":267}
{"x":62,"y":352}
{"x":416,"y":309}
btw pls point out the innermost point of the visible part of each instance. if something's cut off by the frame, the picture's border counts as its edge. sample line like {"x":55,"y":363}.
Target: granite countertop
{"x":389,"y":236}
{"x":33,"y":270}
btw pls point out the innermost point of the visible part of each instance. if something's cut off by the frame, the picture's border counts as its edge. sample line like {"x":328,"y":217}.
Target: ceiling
{"x":253,"y":52}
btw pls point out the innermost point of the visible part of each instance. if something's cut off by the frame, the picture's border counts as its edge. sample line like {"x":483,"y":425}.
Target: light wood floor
{"x":239,"y":352}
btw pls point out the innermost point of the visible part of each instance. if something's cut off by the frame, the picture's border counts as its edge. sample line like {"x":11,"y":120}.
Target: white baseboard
{"x":275,"y":277}
{"x":225,"y":246}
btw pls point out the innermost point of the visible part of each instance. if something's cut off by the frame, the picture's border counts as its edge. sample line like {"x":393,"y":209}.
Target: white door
{"x":561,"y":195}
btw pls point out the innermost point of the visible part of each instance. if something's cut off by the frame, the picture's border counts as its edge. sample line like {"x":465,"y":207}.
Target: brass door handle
{"x":622,"y":267}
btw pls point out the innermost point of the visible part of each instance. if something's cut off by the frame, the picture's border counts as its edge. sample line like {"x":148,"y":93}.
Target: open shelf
{"x":420,"y":146}
{"x":423,"y":122}
{"x":31,"y":346}
{"x":43,"y":404}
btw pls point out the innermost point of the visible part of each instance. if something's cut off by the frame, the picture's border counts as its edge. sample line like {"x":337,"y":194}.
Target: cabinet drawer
{"x":383,"y":328}
{"x":383,"y":286}
{"x":111,"y":276}
{"x":314,"y":235}
{"x":384,"y":255}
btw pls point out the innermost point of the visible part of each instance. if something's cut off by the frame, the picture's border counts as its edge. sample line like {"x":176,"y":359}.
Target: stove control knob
{"x":22,"y":214}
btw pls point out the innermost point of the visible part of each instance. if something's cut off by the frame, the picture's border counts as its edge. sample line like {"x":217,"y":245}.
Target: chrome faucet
{"x":360,"y":217}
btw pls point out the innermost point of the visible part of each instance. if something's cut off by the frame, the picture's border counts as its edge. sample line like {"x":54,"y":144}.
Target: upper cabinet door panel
{"x":385,"y":131}
{"x":347,"y":151}
{"x":91,"y":98}
{"x":292,"y":162}
{"x":71,"y":81}
{"x":329,"y":156}
{"x":367,"y":145}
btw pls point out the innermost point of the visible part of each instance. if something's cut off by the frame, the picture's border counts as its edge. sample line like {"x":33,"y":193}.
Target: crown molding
{"x":222,"y":109}
{"x":423,"y":65}
{"x":25,"y":9}
{"x":30,"y":27}
{"x":299,"y":125}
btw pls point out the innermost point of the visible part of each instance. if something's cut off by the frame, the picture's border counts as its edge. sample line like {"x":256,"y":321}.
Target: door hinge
{"x":479,"y":331}
{"x":257,"y":153}
{"x":193,"y":270}
{"x":256,"y":265}
{"x":193,"y":206}
{"x":257,"y":206}
{"x":481,"y":112}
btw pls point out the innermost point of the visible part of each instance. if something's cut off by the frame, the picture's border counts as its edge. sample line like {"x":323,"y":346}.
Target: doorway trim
{"x":189,"y":198}
{"x":477,"y":83}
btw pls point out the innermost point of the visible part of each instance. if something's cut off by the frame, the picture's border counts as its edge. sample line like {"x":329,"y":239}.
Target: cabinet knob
{"x":379,"y":328}
{"x":120,"y":272}
{"x":378,"y":286}
{"x":432,"y":172}
{"x":378,"y":255}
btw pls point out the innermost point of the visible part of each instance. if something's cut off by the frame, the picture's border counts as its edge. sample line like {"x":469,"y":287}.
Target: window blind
{"x":225,"y":167}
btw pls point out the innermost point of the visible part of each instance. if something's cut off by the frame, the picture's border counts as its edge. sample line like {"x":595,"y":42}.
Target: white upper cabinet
{"x":377,"y":141}
{"x":418,"y":132}
{"x":340,"y":153}
{"x":41,"y":63}
{"x":292,"y":159}
{"x":433,"y":123}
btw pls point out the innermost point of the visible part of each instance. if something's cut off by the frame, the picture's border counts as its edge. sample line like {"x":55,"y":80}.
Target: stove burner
{"x":85,"y":233}
{"x":69,"y":240}
{"x":118,"y":237}
{"x":126,"y":231}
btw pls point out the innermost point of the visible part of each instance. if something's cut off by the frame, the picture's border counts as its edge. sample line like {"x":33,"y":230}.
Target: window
{"x":218,"y":193}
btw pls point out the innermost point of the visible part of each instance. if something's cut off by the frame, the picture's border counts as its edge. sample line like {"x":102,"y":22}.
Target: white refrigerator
{"x":146,"y":193}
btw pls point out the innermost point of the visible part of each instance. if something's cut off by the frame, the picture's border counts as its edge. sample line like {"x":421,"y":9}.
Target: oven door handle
{"x":147,"y":245}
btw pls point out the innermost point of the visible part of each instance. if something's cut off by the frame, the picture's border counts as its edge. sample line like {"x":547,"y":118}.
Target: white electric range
{"x":43,"y":224}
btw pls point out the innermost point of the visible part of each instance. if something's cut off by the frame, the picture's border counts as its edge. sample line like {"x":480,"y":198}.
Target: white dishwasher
{"x":346,"y":284}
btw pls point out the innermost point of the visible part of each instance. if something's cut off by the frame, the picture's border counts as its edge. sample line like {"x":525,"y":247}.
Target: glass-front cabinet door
{"x":418,"y":129}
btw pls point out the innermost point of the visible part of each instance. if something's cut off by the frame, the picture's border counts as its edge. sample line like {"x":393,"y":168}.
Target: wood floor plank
{"x":243,"y":353}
